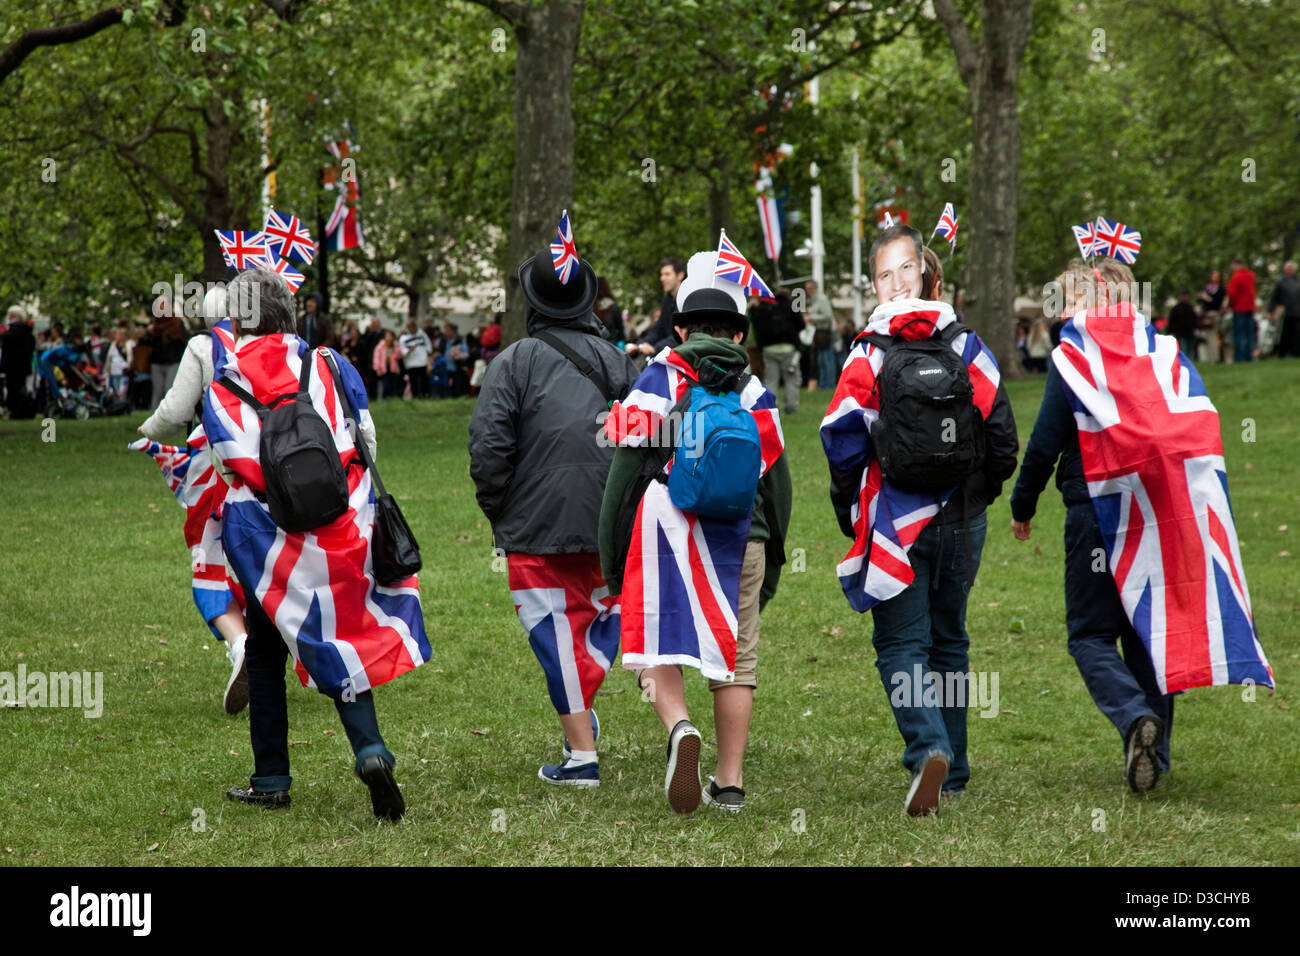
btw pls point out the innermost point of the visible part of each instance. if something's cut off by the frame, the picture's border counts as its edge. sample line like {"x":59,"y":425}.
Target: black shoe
{"x":385,"y":799}
{"x":271,"y":799}
{"x":1141,"y":767}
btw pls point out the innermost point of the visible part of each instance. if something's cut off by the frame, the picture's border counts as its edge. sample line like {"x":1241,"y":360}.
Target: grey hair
{"x":892,"y":234}
{"x":262,"y":303}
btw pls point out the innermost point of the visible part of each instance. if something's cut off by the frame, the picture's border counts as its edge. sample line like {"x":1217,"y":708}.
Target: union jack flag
{"x":288,"y":239}
{"x":191,"y":477}
{"x":292,"y":277}
{"x":887,"y":520}
{"x":346,"y":632}
{"x":244,"y":250}
{"x":734,"y":267}
{"x":1117,"y":240}
{"x":564,"y":254}
{"x":947,"y":226}
{"x":1165,"y":516}
{"x":681,"y":585}
{"x":1085,"y":236}
{"x":571,"y":620}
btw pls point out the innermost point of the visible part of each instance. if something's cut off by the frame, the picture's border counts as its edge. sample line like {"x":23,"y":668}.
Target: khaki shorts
{"x":751,"y":582}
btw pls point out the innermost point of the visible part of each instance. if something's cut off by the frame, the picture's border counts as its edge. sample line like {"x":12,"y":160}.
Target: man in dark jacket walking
{"x":17,"y":345}
{"x":539,"y":473}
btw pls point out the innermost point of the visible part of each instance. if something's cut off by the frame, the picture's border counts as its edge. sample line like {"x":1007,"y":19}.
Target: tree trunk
{"x":990,"y":71}
{"x":991,"y":259}
{"x":218,"y":204}
{"x":719,"y":199}
{"x":547,"y":38}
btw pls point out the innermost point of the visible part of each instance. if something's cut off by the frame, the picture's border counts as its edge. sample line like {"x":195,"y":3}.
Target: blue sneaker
{"x":571,"y":775}
{"x":567,"y":751}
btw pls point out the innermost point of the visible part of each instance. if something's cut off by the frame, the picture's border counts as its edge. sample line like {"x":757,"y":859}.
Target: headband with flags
{"x":733,"y":267}
{"x":564,"y":254}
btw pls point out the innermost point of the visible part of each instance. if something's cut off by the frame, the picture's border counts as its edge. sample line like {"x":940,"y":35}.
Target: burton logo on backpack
{"x":930,"y":435}
{"x":718,"y":459}
{"x":305,"y":485}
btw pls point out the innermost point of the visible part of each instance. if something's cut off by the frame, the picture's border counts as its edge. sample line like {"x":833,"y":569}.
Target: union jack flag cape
{"x":1153,"y":459}
{"x":193,"y":479}
{"x":681,"y":585}
{"x":346,"y":632}
{"x":887,"y":520}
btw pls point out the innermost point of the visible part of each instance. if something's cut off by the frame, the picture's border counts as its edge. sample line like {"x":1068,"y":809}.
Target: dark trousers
{"x":1290,"y":340}
{"x":265,"y":654}
{"x":1243,"y":336}
{"x":419,"y":379}
{"x":924,"y":629}
{"x":1123,"y":688}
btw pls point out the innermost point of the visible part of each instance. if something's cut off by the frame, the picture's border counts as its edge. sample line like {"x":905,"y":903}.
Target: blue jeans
{"x":268,"y":711}
{"x":1243,"y":336}
{"x":926,"y":628}
{"x":827,"y":370}
{"x":1123,"y":688}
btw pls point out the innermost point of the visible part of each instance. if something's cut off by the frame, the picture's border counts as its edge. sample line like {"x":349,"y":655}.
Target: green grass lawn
{"x":94,"y":576}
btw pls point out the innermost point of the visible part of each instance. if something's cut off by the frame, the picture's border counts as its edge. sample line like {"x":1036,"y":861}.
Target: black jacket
{"x":17,"y":345}
{"x":1055,"y":436}
{"x":662,"y":332}
{"x":1001,"y":447}
{"x":535,"y":439}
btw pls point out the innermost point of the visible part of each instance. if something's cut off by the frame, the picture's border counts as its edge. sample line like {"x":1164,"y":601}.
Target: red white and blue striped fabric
{"x":571,"y":620}
{"x":681,"y":585}
{"x":192,"y":478}
{"x":887,"y":520}
{"x":1153,"y":458}
{"x":346,"y":632}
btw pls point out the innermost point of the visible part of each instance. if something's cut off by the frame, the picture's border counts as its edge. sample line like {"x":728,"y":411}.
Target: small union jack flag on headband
{"x":244,"y":250}
{"x":292,"y":277}
{"x":1085,"y":236}
{"x":1117,"y":240}
{"x":734,"y":267}
{"x":287,"y":238}
{"x":947,"y":226}
{"x":564,"y":254}
{"x":888,"y":220}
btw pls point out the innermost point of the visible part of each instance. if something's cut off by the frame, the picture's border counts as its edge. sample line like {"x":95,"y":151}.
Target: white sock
{"x":579,"y":757}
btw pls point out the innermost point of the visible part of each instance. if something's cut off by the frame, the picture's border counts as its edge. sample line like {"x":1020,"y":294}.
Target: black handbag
{"x":394,"y":552}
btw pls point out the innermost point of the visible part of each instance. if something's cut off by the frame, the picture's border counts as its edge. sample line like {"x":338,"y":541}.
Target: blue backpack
{"x":717,"y":462}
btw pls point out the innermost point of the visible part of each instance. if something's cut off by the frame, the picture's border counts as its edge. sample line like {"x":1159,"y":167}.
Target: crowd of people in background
{"x":797,"y":341}
{"x":1221,"y":323}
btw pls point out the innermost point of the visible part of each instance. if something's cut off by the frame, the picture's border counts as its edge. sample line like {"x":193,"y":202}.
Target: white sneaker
{"x":236,"y":697}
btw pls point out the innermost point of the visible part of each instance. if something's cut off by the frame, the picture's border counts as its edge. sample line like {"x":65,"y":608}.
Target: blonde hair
{"x":1082,"y":290}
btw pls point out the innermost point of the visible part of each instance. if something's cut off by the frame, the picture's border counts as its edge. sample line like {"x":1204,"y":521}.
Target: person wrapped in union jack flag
{"x":218,"y":598}
{"x":539,"y":474}
{"x":920,"y":437}
{"x":1152,"y":563}
{"x":692,"y":585}
{"x":312,"y":594}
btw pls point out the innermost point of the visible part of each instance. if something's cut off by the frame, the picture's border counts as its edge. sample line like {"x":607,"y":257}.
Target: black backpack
{"x":305,"y":485}
{"x":930,"y":434}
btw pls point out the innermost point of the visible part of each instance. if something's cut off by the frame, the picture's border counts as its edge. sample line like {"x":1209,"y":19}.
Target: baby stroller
{"x":77,"y":393}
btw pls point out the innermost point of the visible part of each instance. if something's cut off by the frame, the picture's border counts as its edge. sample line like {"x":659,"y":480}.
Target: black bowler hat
{"x":547,"y":295}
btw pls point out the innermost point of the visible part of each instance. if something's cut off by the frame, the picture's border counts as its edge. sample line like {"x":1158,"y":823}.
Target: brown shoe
{"x":682,"y":782}
{"x":923,"y":797}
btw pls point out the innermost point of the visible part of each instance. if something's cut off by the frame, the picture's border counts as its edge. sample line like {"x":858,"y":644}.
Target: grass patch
{"x":95,"y":578}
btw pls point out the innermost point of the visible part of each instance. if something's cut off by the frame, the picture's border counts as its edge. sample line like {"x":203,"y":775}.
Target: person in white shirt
{"x":414,"y":348}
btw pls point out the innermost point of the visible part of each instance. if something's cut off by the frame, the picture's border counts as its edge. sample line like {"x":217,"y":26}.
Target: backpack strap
{"x":353,"y":419}
{"x":580,"y":363}
{"x":239,"y":393}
